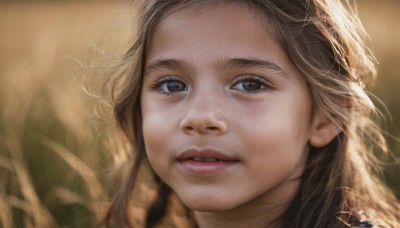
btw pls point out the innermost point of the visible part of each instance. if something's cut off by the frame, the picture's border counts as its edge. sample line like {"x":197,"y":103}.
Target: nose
{"x":204,"y":117}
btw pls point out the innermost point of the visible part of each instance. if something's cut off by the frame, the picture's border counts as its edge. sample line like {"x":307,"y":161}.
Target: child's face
{"x":217,"y":85}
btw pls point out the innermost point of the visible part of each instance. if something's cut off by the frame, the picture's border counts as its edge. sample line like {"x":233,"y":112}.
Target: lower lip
{"x":206,"y":167}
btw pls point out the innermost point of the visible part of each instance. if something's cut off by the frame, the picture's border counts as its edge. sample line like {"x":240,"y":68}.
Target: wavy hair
{"x":325,"y":40}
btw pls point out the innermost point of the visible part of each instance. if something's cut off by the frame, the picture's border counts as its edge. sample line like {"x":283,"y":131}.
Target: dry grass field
{"x":55,"y":123}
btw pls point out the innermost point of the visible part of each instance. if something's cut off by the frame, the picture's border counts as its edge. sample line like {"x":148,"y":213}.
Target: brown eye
{"x":249,"y":85}
{"x":172,"y":86}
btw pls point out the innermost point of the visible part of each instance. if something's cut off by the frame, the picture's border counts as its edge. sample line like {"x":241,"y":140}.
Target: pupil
{"x":251,"y":85}
{"x":175,"y":86}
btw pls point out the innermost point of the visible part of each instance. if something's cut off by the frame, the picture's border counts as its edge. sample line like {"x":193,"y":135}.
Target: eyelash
{"x":243,"y":78}
{"x":159,"y":83}
{"x":252,"y":78}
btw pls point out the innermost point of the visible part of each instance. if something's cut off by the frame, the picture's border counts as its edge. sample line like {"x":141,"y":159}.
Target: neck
{"x":264,"y":215}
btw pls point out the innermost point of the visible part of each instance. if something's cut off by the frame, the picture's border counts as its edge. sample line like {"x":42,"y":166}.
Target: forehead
{"x":213,"y":12}
{"x":227,"y":22}
{"x":206,"y":33}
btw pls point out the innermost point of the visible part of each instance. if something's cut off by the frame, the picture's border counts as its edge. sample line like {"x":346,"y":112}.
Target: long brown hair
{"x":325,"y":41}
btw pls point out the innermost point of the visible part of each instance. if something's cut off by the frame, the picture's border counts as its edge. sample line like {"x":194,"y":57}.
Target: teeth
{"x":205,"y":159}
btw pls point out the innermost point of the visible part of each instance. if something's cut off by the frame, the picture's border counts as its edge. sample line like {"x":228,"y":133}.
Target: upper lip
{"x":204,"y":154}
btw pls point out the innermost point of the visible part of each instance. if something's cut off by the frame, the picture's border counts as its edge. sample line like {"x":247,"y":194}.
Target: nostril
{"x":201,"y":129}
{"x":189,"y":128}
{"x":212,"y":128}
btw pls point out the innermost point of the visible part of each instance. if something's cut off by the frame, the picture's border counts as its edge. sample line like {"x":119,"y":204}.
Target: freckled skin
{"x":267,"y":131}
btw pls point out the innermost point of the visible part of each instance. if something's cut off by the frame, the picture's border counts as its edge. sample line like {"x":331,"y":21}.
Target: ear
{"x":322,"y":131}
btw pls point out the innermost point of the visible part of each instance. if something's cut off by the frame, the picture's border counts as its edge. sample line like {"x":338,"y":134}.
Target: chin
{"x":204,"y":204}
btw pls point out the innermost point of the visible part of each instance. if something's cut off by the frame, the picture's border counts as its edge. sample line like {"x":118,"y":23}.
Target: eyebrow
{"x":175,"y":64}
{"x":164,"y":64}
{"x":252,"y":63}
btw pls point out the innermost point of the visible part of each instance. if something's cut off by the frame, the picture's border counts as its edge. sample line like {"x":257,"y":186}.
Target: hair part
{"x":325,"y":41}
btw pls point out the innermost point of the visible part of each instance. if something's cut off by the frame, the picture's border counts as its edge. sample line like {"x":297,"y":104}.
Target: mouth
{"x":205,"y":156}
{"x":205,"y":161}
{"x":199,"y":159}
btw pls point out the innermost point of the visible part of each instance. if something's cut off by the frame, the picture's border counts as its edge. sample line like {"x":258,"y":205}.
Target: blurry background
{"x":54,"y":135}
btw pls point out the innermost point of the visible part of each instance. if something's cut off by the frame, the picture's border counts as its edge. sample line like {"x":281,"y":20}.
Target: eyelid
{"x":156,"y":85}
{"x":157,"y":82}
{"x":256,"y":78}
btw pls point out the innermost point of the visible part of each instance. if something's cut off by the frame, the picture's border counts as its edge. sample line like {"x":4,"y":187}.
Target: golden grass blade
{"x":5,"y":215}
{"x":6,"y":163}
{"x":93,"y":185}
{"x":66,"y":196}
{"x":40,"y":215}
{"x":20,"y":204}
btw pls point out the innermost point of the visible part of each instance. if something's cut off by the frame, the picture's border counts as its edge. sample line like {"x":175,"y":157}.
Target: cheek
{"x":154,"y":124}
{"x":282,"y":127}
{"x":275,"y":158}
{"x":278,"y":139}
{"x":153,"y":131}
{"x":155,"y":134}
{"x":278,"y":143}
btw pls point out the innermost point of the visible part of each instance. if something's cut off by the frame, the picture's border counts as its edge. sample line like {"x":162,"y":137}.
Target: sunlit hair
{"x":325,"y":41}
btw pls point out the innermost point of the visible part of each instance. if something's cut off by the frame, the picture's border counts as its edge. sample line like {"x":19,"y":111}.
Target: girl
{"x":254,"y":114}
